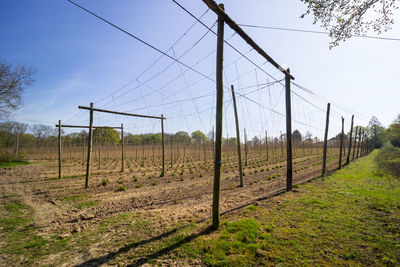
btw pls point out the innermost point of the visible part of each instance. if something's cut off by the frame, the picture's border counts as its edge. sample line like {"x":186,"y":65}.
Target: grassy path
{"x":349,"y":218}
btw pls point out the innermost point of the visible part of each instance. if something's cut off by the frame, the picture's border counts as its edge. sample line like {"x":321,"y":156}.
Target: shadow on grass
{"x":110,"y":256}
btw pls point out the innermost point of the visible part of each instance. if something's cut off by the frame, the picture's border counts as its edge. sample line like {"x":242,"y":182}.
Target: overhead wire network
{"x":268,"y":102}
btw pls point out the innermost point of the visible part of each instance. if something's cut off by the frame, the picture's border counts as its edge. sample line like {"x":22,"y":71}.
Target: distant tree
{"x":308,"y":137}
{"x":229,"y":141}
{"x":377,"y":132}
{"x":210,"y":135}
{"x":41,"y":132}
{"x":199,"y":137}
{"x":394,"y":134}
{"x":12,"y":84}
{"x":283,"y":137}
{"x":106,"y":135}
{"x":316,"y":139}
{"x":296,"y":136}
{"x":132,"y":139}
{"x":182,"y":137}
{"x":397,"y":120}
{"x":255,"y":141}
{"x":156,"y":138}
{"x":344,"y":18}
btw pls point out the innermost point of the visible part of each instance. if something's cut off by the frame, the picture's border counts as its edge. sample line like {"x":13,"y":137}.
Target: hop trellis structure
{"x":243,"y":127}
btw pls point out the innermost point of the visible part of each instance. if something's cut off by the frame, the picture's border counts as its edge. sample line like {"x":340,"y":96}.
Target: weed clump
{"x":121,"y":188}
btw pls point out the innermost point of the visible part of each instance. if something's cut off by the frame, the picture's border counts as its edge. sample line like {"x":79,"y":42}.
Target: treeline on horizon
{"x":44,"y":136}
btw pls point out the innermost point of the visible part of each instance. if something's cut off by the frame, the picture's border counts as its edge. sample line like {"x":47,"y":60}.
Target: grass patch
{"x":13,"y":164}
{"x":105,"y":182}
{"x":121,"y":188}
{"x":22,"y":244}
{"x":87,"y":204}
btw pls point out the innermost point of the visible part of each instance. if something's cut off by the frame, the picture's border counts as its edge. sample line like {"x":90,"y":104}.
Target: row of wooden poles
{"x":222,"y":19}
{"x":90,"y":139}
{"x":364,"y":145}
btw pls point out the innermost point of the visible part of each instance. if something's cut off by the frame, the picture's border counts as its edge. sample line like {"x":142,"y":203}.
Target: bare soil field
{"x":63,"y":207}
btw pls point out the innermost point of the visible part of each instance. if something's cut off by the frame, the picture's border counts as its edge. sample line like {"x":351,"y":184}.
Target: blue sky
{"x":80,"y":59}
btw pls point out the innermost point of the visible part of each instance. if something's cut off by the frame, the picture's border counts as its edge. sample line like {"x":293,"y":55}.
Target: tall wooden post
{"x":98,"y":143}
{"x":350,"y":139}
{"x":123,"y":149}
{"x":326,"y":140}
{"x":171,"y":151}
{"x":59,"y":151}
{"x":341,"y":144}
{"x":16,"y":145}
{"x":289,"y":156}
{"x":266,"y":144}
{"x":89,"y":157}
{"x":213,"y":141}
{"x":204,"y":151}
{"x":163,"y":146}
{"x":359,"y":141}
{"x":355,"y":143}
{"x":143,"y":153}
{"x":218,"y":122}
{"x":359,"y":148}
{"x":281,"y":145}
{"x":362,"y":144}
{"x":245,"y":147}
{"x":83,"y":150}
{"x":237,"y":137}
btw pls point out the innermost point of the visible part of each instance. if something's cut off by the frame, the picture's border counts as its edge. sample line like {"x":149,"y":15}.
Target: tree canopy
{"x":377,"y":132}
{"x":345,"y":18}
{"x":106,"y":135}
{"x":199,"y":137}
{"x":12,"y":84}
{"x":394,"y":134}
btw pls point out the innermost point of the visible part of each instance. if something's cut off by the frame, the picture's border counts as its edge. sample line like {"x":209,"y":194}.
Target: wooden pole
{"x":83,"y":150}
{"x":224,"y":17}
{"x":355,"y":143}
{"x":98,"y":152}
{"x":359,"y":141}
{"x":350,"y":139}
{"x":16,"y":145}
{"x":143,"y":153}
{"x":289,"y":156}
{"x":59,"y":151}
{"x":89,"y":157}
{"x":218,"y":123}
{"x":163,"y":146}
{"x":123,"y":149}
{"x":245,"y":147}
{"x":171,"y":151}
{"x":281,"y":145}
{"x":266,"y":144}
{"x":237,"y":137}
{"x":362,"y":144}
{"x":325,"y":140}
{"x":213,"y":141}
{"x":341,"y":144}
{"x":204,"y":150}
